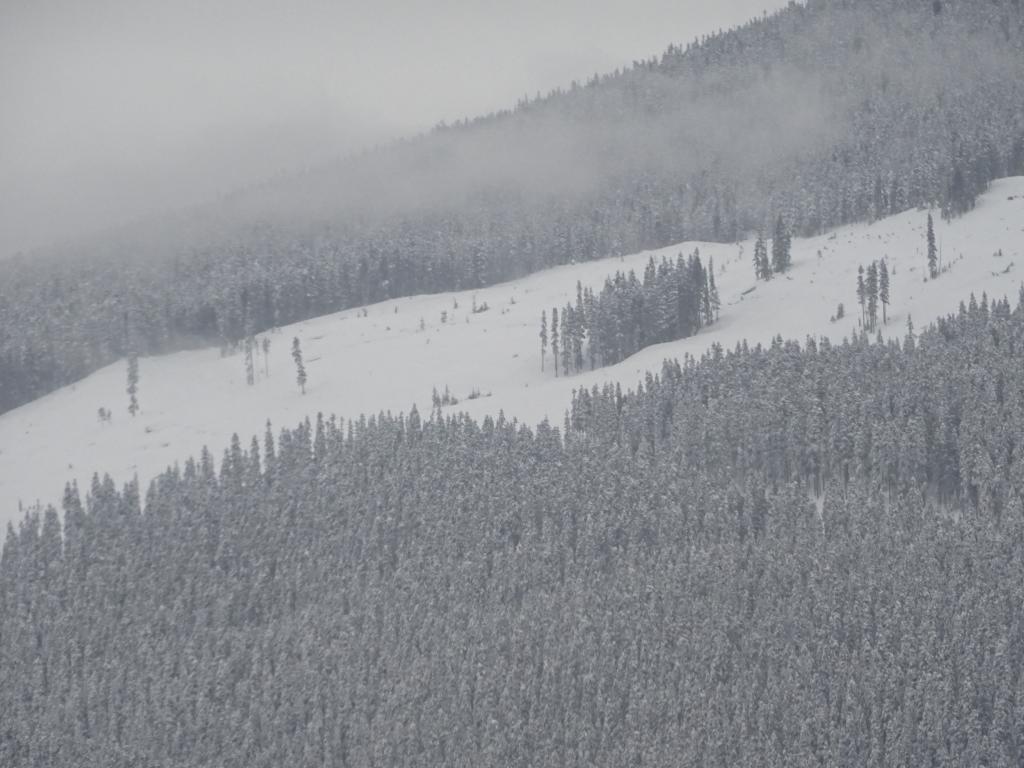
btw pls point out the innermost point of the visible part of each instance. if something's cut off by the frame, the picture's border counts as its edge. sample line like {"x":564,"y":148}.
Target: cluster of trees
{"x":787,"y":556}
{"x":863,"y":109}
{"x":251,"y":346}
{"x":782,"y":256}
{"x":675,"y":300}
{"x":872,"y":291}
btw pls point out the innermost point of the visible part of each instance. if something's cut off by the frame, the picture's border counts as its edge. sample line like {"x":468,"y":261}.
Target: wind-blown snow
{"x":385,"y":361}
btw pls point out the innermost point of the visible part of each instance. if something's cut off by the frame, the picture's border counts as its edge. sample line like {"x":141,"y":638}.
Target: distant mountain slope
{"x":808,"y":555}
{"x":389,"y":360}
{"x":827,"y":113}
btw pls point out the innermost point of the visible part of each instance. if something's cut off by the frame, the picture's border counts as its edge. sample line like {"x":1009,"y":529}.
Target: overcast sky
{"x":112,"y":109}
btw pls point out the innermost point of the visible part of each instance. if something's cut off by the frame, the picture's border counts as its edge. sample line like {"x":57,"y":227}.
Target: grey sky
{"x":112,"y":109}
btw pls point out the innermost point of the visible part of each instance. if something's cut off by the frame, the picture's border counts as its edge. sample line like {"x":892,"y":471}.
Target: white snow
{"x":384,"y":361}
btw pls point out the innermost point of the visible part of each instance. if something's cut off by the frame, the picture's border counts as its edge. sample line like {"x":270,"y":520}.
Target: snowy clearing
{"x":394,"y":355}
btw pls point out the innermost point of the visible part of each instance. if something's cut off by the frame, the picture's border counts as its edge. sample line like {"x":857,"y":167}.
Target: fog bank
{"x":115,"y":109}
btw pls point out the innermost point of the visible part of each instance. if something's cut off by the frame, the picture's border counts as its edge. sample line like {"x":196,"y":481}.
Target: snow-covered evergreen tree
{"x":300,"y":368}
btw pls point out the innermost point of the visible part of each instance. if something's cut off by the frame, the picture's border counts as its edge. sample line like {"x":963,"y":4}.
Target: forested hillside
{"x":790,"y":556}
{"x":823,"y":113}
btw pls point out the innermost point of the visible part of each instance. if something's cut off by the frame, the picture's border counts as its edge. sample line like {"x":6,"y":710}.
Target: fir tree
{"x":300,"y":369}
{"x":268,"y":454}
{"x":250,"y":362}
{"x":554,"y":338}
{"x":593,"y":324}
{"x":883,"y":289}
{"x":707,"y":308}
{"x":861,"y":292}
{"x":871,"y":291}
{"x":133,"y":384}
{"x":781,"y":257}
{"x":933,"y":254}
{"x":568,"y":324}
{"x":716,"y":302}
{"x":543,"y":336}
{"x":762,"y":267}
{"x":579,"y":328}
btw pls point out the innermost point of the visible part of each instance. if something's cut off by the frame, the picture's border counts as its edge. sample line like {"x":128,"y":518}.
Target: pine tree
{"x":568,"y":323}
{"x":250,"y":362}
{"x":861,"y":291}
{"x":933,"y":255}
{"x":707,"y":309}
{"x":593,"y":338}
{"x":133,"y":384}
{"x":871,"y":289}
{"x":883,"y":289}
{"x":579,"y":328}
{"x":543,"y":336}
{"x":762,"y":267}
{"x":716,"y":303}
{"x":300,"y":369}
{"x":268,"y":454}
{"x":780,"y":247}
{"x":554,"y":337}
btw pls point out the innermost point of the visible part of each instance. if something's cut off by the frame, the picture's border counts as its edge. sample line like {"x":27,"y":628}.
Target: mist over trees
{"x":823,"y":113}
{"x":794,"y":555}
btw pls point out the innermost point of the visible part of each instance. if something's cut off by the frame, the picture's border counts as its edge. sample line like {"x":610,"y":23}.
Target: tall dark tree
{"x":580,"y":325}
{"x":933,"y":253}
{"x":554,"y":338}
{"x":862,"y":294}
{"x":543,"y":337}
{"x":715,"y":300}
{"x":762,"y":266}
{"x":568,"y":332}
{"x":781,"y":246}
{"x":594,"y":324}
{"x":871,"y":291}
{"x":300,"y":368}
{"x":883,"y":289}
{"x":250,"y":359}
{"x":133,"y":384}
{"x":706,"y":304}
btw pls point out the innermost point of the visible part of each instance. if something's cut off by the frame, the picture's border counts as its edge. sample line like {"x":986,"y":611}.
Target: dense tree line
{"x":784,"y":556}
{"x":824,"y":113}
{"x":675,"y":300}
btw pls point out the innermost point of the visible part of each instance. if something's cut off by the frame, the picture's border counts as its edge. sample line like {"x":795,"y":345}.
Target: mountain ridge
{"x":827,"y":113}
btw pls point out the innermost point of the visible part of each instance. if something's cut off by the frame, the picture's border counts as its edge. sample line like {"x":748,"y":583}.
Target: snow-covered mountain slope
{"x":395,"y":354}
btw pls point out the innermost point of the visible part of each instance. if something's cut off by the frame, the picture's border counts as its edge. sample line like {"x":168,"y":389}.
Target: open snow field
{"x":395,"y":355}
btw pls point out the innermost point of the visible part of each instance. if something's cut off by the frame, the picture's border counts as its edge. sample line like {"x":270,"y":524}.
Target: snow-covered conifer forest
{"x":675,"y":418}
